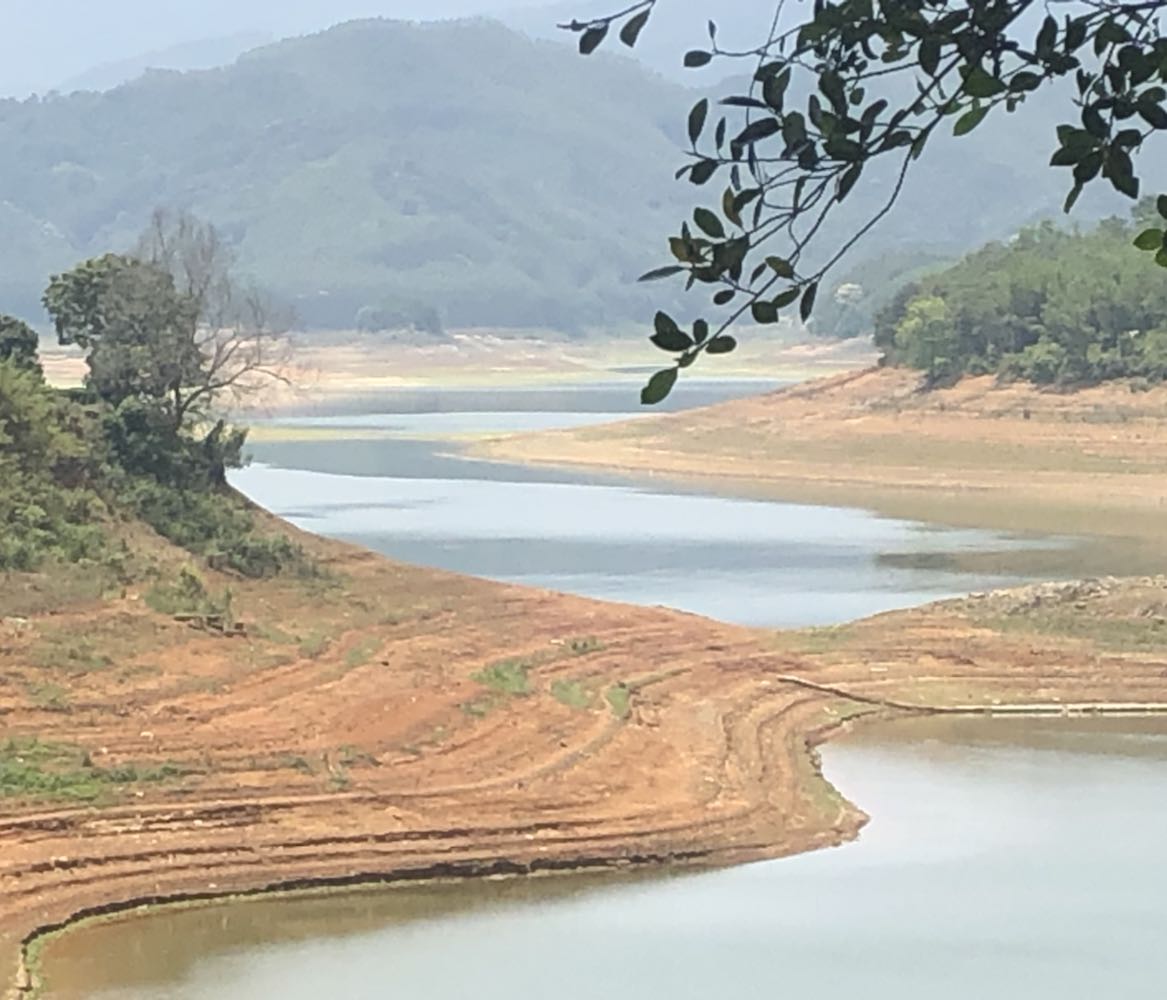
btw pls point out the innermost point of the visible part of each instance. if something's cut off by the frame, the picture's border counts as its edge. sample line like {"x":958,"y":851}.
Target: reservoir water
{"x":395,"y":482}
{"x":1015,"y":859}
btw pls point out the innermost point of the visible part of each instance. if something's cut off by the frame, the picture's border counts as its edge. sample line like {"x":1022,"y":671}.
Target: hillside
{"x":456,"y":167}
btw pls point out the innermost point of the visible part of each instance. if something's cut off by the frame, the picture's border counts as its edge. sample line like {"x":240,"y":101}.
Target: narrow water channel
{"x":1004,"y":859}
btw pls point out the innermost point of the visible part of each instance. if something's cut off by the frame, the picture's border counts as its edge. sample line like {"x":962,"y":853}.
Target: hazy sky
{"x":45,"y":42}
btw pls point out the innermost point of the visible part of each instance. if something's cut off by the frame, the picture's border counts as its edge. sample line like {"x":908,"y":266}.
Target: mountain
{"x":391,"y":168}
{"x":456,"y":165}
{"x":206,"y":53}
{"x":45,"y":42}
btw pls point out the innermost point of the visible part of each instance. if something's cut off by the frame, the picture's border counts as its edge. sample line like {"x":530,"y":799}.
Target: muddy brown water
{"x":1013,"y":859}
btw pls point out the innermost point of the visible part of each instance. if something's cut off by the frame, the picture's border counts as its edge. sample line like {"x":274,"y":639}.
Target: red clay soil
{"x":384,"y":721}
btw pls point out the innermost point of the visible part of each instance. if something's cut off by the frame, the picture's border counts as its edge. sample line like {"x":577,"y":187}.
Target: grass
{"x":49,"y":696}
{"x":1121,"y":634}
{"x":315,"y":644}
{"x":573,"y":694}
{"x":619,"y":699}
{"x":31,"y":769}
{"x":70,"y":655}
{"x":362,"y":652}
{"x":508,"y":677}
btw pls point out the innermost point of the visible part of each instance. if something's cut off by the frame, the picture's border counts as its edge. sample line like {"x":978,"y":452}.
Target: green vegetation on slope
{"x":1051,"y":307}
{"x":139,"y":442}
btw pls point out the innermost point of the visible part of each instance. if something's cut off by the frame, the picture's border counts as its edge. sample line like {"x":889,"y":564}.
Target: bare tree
{"x":240,"y":336}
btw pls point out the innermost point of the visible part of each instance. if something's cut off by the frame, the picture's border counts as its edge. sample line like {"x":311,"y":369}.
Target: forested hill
{"x":1051,"y":307}
{"x":387,"y":171}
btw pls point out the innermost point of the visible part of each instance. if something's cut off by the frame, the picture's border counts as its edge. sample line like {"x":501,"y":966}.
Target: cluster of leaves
{"x":822,"y":107}
{"x":1050,"y":307}
{"x":133,"y":443}
{"x":48,"y":509}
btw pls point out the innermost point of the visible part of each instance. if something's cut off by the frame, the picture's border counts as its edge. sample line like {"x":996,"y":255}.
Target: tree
{"x":19,"y":344}
{"x":169,"y":327}
{"x":239,"y":335}
{"x":858,"y":84}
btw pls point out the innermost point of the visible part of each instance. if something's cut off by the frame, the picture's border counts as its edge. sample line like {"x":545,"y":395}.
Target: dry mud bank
{"x":382,"y":721}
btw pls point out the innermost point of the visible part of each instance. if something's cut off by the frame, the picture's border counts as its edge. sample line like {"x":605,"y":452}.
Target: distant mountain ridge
{"x":203,"y":53}
{"x":383,"y":168}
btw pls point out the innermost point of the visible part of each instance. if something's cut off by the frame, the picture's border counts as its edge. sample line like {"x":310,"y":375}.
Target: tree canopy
{"x":856,"y":89}
{"x":1051,"y":306}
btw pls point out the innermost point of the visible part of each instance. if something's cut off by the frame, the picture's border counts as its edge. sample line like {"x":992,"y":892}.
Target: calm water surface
{"x":409,"y":494}
{"x":1004,"y":859}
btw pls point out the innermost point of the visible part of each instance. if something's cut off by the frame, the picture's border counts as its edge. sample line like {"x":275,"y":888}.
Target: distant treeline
{"x":1051,"y":306}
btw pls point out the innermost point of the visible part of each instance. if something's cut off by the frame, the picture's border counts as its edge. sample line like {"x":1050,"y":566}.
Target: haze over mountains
{"x":457,"y":167}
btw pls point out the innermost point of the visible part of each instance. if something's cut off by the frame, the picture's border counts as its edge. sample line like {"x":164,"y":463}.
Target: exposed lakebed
{"x":1014,"y":859}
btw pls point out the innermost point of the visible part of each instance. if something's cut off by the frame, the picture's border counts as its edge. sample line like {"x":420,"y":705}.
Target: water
{"x":1004,"y":859}
{"x":408,"y":493}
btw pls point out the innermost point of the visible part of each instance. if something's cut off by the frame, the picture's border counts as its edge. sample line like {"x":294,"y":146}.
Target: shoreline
{"x":29,"y":979}
{"x":371,"y":723}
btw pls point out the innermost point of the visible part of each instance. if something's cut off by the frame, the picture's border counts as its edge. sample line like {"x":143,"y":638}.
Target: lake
{"x":1004,"y":858}
{"x":409,"y":494}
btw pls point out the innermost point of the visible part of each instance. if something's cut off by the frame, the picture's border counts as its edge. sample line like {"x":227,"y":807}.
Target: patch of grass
{"x":72,"y":655}
{"x":314,"y":645}
{"x":362,"y":652}
{"x":573,"y":694}
{"x":351,"y":756}
{"x":482,"y":706}
{"x":508,"y":677}
{"x":619,"y":699}
{"x":49,"y":696}
{"x":1121,"y":634}
{"x":275,"y":634}
{"x":815,"y":640}
{"x":33,"y":769}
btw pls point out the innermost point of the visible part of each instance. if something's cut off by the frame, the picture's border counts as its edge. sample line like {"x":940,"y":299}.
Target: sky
{"x":46,"y":42}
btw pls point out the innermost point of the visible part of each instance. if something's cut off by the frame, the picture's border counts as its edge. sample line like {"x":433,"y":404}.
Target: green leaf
{"x":697,"y":58}
{"x":697,"y":119}
{"x":1161,"y":205}
{"x":633,"y":27}
{"x":1072,"y":197}
{"x":969,"y":120}
{"x":661,"y":272}
{"x":659,"y":386}
{"x":783,"y":299}
{"x":1153,"y":114}
{"x":709,"y":223}
{"x":806,"y":306}
{"x":721,"y":345}
{"x":1150,"y":239}
{"x":700,"y":331}
{"x":780,"y":266}
{"x":724,"y":297}
{"x":846,"y":183}
{"x":590,"y":40}
{"x":702,"y":171}
{"x":1161,"y":258}
{"x":669,"y":336}
{"x":978,"y":83}
{"x":764,"y":312}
